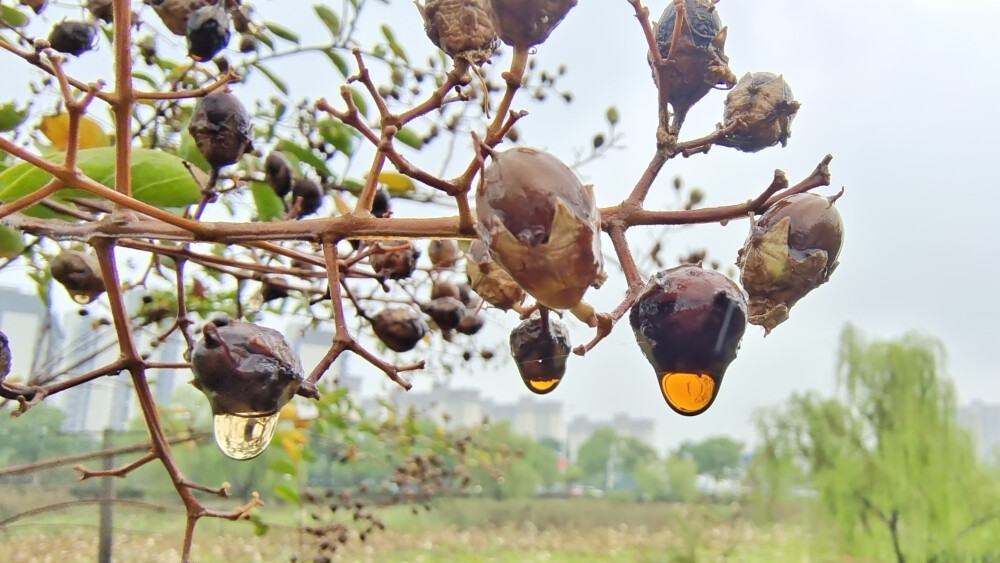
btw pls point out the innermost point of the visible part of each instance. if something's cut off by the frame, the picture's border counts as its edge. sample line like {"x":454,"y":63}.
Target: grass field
{"x":458,"y":530}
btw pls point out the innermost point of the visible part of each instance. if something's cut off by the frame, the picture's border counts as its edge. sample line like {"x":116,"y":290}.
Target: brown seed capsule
{"x":470,"y":324}
{"x":207,"y":32}
{"x":443,"y":253}
{"x":446,"y":312}
{"x":278,"y":173}
{"x":763,"y":107}
{"x":541,"y":225}
{"x":80,"y":274}
{"x":73,"y":37}
{"x":221,"y":128}
{"x":540,"y":349}
{"x":101,"y":9}
{"x":381,"y":205}
{"x":792,"y":249}
{"x":699,"y":62}
{"x":399,"y":329}
{"x":308,"y":196}
{"x":524,"y":23}
{"x":688,"y":322}
{"x":395,"y":264}
{"x":175,"y":13}
{"x":247,"y":372}
{"x":489,"y":280}
{"x":461,"y":28}
{"x":445,"y":289}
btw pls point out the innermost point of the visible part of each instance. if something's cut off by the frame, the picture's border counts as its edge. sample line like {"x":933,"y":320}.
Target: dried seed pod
{"x":73,"y":37}
{"x":278,"y":173}
{"x":36,"y":6}
{"x":446,"y":312}
{"x":175,"y":13}
{"x":792,"y":249}
{"x":399,"y":329}
{"x":524,"y":23}
{"x":489,"y":280}
{"x":699,"y":62}
{"x":688,"y":322}
{"x":5,"y":356}
{"x":248,"y":372}
{"x":308,"y":196}
{"x":381,"y":205}
{"x":443,"y":253}
{"x":80,"y":273}
{"x":763,"y":107}
{"x":207,"y":32}
{"x":445,"y":289}
{"x":395,"y":264}
{"x":221,"y":128}
{"x":461,"y":28}
{"x":470,"y":324}
{"x":101,"y":10}
{"x":540,"y":348}
{"x":541,"y":225}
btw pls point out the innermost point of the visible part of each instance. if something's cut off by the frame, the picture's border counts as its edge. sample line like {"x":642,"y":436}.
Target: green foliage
{"x":36,"y":435}
{"x":671,"y":479}
{"x":896,"y":474}
{"x":718,"y":456}
{"x":534,"y":466}
{"x":607,"y":449}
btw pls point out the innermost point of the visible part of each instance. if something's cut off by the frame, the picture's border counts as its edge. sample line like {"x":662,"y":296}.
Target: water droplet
{"x":83,"y":298}
{"x":541,"y":386}
{"x":244,"y":436}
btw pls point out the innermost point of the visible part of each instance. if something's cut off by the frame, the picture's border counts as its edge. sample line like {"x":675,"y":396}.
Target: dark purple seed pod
{"x":399,"y":329}
{"x":540,"y":348}
{"x":73,"y":37}
{"x":207,"y":32}
{"x":221,"y":128}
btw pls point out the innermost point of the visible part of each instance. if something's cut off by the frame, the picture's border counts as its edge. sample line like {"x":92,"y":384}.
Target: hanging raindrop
{"x":244,"y":436}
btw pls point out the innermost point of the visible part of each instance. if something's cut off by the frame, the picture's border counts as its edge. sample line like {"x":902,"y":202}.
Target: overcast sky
{"x":903,"y":94}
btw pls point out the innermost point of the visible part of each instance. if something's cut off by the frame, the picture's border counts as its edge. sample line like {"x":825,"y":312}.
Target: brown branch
{"x":59,"y":506}
{"x":227,"y":78}
{"x":34,"y":59}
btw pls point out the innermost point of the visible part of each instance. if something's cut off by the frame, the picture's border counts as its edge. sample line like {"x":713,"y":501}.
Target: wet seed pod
{"x":278,"y":173}
{"x":524,"y":23}
{"x":207,"y":32}
{"x":443,"y":253}
{"x":461,"y":28}
{"x":446,"y":312}
{"x":399,"y":329}
{"x":80,"y":273}
{"x":221,"y":128}
{"x":445,"y":289}
{"x":699,"y":61}
{"x":395,"y":264}
{"x":470,"y":324}
{"x":308,"y":196}
{"x":5,"y":356}
{"x":688,"y":322}
{"x":175,"y":13}
{"x":488,"y":280}
{"x":792,"y":249}
{"x":763,"y":105}
{"x":101,"y":10}
{"x":247,"y":372}
{"x":541,"y":225}
{"x":540,"y":349}
{"x":73,"y":37}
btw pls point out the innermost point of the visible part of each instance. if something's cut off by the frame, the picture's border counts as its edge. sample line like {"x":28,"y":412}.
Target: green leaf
{"x":269,"y":205}
{"x":11,"y":117}
{"x":11,"y":242}
{"x":338,"y":62}
{"x":285,"y":467}
{"x":285,"y":492}
{"x":13,"y":16}
{"x":188,"y":150}
{"x":263,"y":38}
{"x":305,"y":155}
{"x":337,"y":134}
{"x":330,"y":19}
{"x":278,"y":82}
{"x":409,"y":137}
{"x":259,"y":526}
{"x":390,"y":37}
{"x":158,"y":178}
{"x":359,"y":100}
{"x":282,"y":32}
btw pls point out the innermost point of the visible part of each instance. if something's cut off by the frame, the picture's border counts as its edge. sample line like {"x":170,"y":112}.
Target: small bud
{"x":612,"y":115}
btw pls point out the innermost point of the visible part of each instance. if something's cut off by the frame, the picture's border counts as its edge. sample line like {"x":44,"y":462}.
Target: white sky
{"x":903,"y":94}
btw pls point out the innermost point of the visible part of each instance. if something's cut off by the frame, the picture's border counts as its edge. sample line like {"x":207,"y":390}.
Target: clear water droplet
{"x":83,"y":298}
{"x":246,"y":435}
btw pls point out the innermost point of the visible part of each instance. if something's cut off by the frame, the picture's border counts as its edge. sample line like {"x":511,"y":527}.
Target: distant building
{"x":580,"y":429}
{"x":983,"y":420}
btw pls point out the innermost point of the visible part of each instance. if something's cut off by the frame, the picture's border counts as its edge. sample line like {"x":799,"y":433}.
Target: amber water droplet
{"x":687,"y":393}
{"x":244,"y":436}
{"x":83,"y":298}
{"x":541,"y":386}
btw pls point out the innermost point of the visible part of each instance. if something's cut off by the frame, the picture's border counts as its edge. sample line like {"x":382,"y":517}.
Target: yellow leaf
{"x":396,"y":182}
{"x":342,"y":206}
{"x":56,"y":128}
{"x":288,"y":412}
{"x":292,"y":449}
